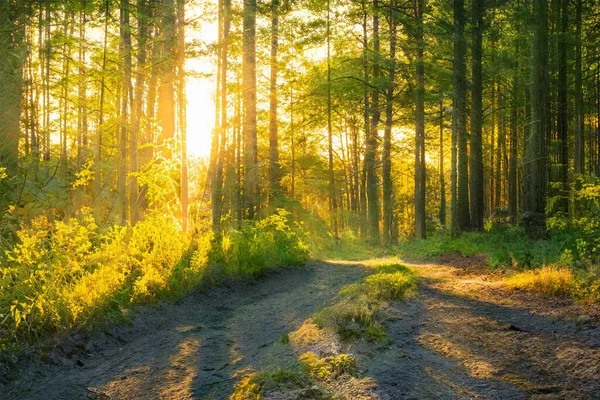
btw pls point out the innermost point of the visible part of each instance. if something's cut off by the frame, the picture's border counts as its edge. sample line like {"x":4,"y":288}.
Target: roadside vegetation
{"x":74,"y":275}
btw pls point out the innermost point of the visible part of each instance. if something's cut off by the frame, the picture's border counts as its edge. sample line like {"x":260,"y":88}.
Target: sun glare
{"x":200,"y":91}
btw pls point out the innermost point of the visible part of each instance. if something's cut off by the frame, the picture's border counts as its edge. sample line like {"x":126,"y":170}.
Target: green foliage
{"x":359,"y":307}
{"x":261,"y":246}
{"x":66,"y":274}
{"x":330,"y":367}
{"x":253,"y":385}
{"x":69,"y":274}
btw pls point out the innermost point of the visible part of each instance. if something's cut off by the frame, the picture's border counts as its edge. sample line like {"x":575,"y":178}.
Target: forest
{"x":303,"y":199}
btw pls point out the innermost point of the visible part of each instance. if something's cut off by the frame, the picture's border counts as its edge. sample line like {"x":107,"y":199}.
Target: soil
{"x":464,"y":335}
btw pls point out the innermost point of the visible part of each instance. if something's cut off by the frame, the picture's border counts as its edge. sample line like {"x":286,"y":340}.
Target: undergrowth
{"x":73,"y":274}
{"x":358,"y":307}
{"x":252,"y":386}
{"x":566,"y":264}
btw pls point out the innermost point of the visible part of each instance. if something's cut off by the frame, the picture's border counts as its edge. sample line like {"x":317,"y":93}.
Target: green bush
{"x":261,"y":246}
{"x":68,"y":274}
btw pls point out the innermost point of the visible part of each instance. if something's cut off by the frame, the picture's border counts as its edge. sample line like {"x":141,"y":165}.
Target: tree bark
{"x":535,"y":145}
{"x":460,"y":180}
{"x":388,"y":233}
{"x":332,"y":189}
{"x":476,"y":159}
{"x":125,"y":106}
{"x":563,"y":105}
{"x":372,"y":141}
{"x":249,"y":94}
{"x":420,"y":163}
{"x":274,"y":168}
{"x":12,"y":59}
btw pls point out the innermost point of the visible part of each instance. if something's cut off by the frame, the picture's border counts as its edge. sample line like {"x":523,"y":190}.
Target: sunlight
{"x":200,"y":90}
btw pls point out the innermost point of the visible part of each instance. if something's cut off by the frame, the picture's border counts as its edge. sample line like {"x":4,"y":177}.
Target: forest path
{"x":198,"y":347}
{"x":464,"y":336}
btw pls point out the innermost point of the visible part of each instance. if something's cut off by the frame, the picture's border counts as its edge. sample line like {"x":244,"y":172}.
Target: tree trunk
{"x":372,"y":141}
{"x":534,"y":218}
{"x":134,"y":193}
{"x":12,"y":59}
{"x":386,"y":157}
{"x":512,"y":174}
{"x":579,"y":111}
{"x":100,"y":129}
{"x":366,"y":110}
{"x":442,"y":213}
{"x":126,"y":88}
{"x":332,"y":190}
{"x":274,"y":168}
{"x":460,"y":180}
{"x":420,"y":163}
{"x":249,"y":92}
{"x":476,"y":160}
{"x":563,"y":104}
{"x":166,"y":89}
{"x":182,"y":107}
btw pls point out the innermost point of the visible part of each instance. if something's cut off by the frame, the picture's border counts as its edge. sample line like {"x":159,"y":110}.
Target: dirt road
{"x":463,"y":336}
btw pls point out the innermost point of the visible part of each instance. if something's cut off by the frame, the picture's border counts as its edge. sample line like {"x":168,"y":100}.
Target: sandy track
{"x":464,"y":336}
{"x":196,"y":348}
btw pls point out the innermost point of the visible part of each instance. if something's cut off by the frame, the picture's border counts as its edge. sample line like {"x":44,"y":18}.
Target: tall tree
{"x":249,"y":93}
{"x":12,"y":59}
{"x":332,"y":188}
{"x":460,"y":166}
{"x":386,"y":156}
{"x":125,"y":50}
{"x":579,"y":108}
{"x":535,"y":144}
{"x":563,"y":106}
{"x":476,"y":159}
{"x":182,"y":107}
{"x":420,"y":162}
{"x":274,"y":168}
{"x":140,"y":81}
{"x":373,"y":138}
{"x":442,"y":212}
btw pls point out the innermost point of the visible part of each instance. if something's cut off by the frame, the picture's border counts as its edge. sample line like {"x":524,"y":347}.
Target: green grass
{"x":357,"y":311}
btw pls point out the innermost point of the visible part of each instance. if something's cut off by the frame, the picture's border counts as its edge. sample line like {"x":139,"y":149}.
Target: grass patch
{"x":331,"y":367}
{"x":548,"y":280}
{"x":357,"y":311}
{"x":559,"y":281}
{"x":254,"y":385}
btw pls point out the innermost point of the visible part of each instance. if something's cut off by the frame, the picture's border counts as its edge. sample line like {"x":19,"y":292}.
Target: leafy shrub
{"x":66,"y":274}
{"x":261,"y":246}
{"x":69,"y":274}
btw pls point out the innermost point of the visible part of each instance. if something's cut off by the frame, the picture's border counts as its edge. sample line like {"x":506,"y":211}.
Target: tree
{"x":331,"y":174}
{"x":274,"y":168}
{"x":460,"y":167}
{"x":389,"y":236}
{"x":420,"y":163}
{"x":534,"y":218}
{"x":249,"y":94}
{"x":373,"y":137}
{"x":12,"y":58}
{"x":476,"y":160}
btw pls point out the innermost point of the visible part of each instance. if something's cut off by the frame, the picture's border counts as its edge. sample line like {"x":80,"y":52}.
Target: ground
{"x":464,"y":335}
